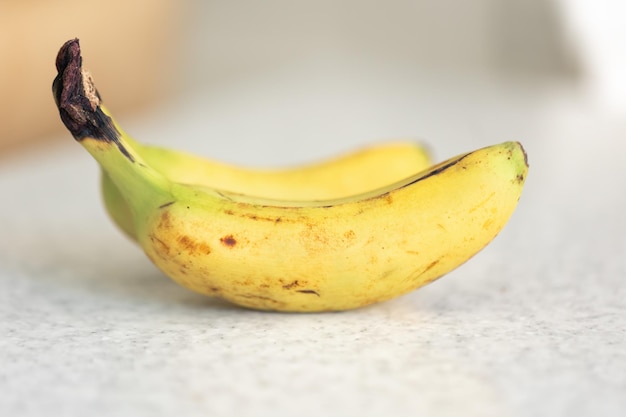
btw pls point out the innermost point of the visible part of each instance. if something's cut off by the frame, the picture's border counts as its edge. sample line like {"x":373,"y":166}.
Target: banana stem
{"x":80,"y":108}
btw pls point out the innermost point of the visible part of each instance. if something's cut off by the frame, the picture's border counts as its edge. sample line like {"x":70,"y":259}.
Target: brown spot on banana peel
{"x":297,"y":283}
{"x":291,"y":285}
{"x":418,"y":276}
{"x":79,"y":102}
{"x":437,"y":169}
{"x":164,"y":221}
{"x":253,"y":216}
{"x":430,"y":266}
{"x":161,"y":248}
{"x":193,"y":247}
{"x":482,"y":203}
{"x":259,"y":297}
{"x":228,"y":240}
{"x":349,"y":235}
{"x":308,"y":292}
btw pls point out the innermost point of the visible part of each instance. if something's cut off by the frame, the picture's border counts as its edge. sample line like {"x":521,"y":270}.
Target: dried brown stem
{"x":78,"y":99}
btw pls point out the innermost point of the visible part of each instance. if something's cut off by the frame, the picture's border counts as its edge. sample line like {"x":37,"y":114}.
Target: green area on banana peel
{"x":301,"y":255}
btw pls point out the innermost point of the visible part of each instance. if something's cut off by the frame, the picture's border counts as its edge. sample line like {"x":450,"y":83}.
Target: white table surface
{"x":534,"y":325}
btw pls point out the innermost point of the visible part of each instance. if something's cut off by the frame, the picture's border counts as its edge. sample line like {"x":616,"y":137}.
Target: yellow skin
{"x":352,"y":173}
{"x":300,"y":256}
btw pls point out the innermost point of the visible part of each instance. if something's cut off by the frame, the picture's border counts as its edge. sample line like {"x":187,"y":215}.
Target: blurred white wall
{"x":237,"y":38}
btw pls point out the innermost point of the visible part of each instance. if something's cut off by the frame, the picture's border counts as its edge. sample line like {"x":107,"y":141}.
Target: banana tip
{"x":521,"y":147}
{"x":77,"y":99}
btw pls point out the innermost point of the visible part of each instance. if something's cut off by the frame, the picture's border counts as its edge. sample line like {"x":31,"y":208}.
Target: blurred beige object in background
{"x":130,"y":55}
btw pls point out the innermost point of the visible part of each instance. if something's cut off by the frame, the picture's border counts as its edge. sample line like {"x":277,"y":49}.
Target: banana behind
{"x":335,"y":251}
{"x":352,"y":173}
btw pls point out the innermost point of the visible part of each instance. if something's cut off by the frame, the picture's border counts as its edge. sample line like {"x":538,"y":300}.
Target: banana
{"x":303,"y":255}
{"x":368,"y":168}
{"x":352,"y":173}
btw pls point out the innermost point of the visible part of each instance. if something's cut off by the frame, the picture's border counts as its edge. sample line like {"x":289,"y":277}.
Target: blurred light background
{"x":284,"y":73}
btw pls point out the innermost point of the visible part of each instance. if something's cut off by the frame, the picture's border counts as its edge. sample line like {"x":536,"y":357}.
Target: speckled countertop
{"x":535,"y":325}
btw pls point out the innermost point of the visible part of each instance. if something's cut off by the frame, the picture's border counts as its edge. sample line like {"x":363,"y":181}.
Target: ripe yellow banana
{"x":352,"y":173}
{"x":306,"y":255}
